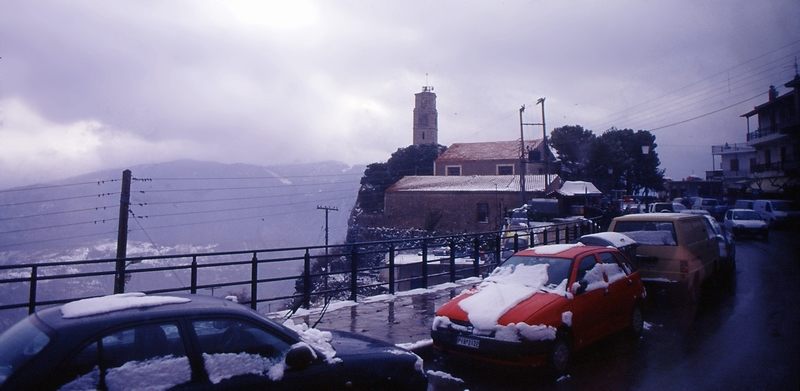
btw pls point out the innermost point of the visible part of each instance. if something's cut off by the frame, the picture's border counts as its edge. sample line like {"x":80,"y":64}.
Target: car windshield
{"x":557,"y":268}
{"x":18,"y":345}
{"x":746,"y":215}
{"x":658,"y":233}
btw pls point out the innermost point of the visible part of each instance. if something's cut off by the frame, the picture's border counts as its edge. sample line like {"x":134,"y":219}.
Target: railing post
{"x":32,"y":295}
{"x":424,"y":263}
{"x":193,"y":288}
{"x":391,"y":269}
{"x":476,"y":249}
{"x":516,"y":242}
{"x":497,"y":249}
{"x":452,"y":260}
{"x":354,"y":275}
{"x":544,"y":235}
{"x":254,"y":282}
{"x":306,"y":280}
{"x":558,"y":234}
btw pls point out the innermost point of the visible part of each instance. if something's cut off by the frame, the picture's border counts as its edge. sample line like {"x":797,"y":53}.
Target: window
{"x":587,"y":263}
{"x":452,"y":170}
{"x":734,"y":164}
{"x":225,"y":343}
{"x":505,"y":169}
{"x":753,"y":164}
{"x":483,"y":212}
{"x":110,"y":361}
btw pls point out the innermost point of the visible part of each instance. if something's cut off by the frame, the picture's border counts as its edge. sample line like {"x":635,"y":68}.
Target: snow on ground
{"x":118,"y":302}
{"x":502,"y":290}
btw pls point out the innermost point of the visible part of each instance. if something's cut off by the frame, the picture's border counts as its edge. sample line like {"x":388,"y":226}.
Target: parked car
{"x":727,"y":245}
{"x":541,"y":304}
{"x":190,"y":342}
{"x":677,"y":252}
{"x":777,"y":212}
{"x":743,"y":204}
{"x":746,"y":222}
{"x":712,"y":205}
{"x":665,"y":207}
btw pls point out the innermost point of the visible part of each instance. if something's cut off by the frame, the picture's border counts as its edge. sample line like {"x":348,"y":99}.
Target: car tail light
{"x":684,"y":267}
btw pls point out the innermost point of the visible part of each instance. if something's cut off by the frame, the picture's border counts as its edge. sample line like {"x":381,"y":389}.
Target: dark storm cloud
{"x":273,"y":82}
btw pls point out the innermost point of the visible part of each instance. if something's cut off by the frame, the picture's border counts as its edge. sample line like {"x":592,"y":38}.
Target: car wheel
{"x":560,"y":355}
{"x":636,"y":326}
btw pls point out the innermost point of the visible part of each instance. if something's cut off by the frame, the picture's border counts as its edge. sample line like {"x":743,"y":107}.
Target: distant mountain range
{"x":178,"y":207}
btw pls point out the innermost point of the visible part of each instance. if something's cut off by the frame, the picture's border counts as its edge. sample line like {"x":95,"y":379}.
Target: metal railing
{"x":439,"y":258}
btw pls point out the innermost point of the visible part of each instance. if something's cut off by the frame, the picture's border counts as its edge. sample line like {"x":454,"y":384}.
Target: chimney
{"x":773,"y":93}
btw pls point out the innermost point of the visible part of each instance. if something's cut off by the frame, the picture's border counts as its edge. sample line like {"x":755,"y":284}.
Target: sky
{"x":90,"y":85}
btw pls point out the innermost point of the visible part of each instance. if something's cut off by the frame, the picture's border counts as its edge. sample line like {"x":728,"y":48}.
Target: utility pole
{"x":545,"y":148}
{"x":522,"y":158}
{"x":327,"y":209}
{"x":122,"y":232}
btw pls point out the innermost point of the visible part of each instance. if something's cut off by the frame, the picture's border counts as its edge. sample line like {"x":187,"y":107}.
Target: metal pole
{"x":326,"y":271}
{"x":545,"y":149}
{"x":522,"y":167}
{"x":122,"y":232}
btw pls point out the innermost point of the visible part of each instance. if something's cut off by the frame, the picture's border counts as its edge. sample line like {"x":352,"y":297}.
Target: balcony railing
{"x":782,"y":166}
{"x":731,"y":148}
{"x":28,"y":286}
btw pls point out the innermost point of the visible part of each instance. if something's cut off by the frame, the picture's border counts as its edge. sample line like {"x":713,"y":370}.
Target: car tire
{"x":560,"y":355}
{"x":636,"y":324}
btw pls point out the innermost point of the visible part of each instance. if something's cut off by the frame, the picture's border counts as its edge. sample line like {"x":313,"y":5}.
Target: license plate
{"x":468,"y":342}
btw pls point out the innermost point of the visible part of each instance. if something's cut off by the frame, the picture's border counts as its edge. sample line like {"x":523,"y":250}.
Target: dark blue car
{"x":136,"y":341}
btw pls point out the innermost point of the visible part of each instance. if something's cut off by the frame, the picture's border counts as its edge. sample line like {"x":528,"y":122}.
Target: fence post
{"x":476,"y":253}
{"x":391,"y":268}
{"x":424,"y":263}
{"x":558,"y":234}
{"x":354,"y":275}
{"x":516,"y":242}
{"x":32,"y":295}
{"x":254,"y":283}
{"x":194,"y":275}
{"x":306,"y":280}
{"x":452,"y":260}
{"x":497,"y":249}
{"x":544,"y":235}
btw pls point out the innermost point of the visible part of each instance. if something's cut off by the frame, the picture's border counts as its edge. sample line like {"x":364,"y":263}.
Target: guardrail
{"x":335,"y":271}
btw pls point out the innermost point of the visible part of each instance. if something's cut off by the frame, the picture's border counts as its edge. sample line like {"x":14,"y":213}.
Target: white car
{"x":745,"y":222}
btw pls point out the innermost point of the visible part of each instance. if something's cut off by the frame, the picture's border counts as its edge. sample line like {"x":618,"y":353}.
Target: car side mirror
{"x":300,"y":357}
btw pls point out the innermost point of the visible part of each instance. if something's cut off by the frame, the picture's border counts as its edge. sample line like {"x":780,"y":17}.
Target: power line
{"x":238,"y":188}
{"x":704,"y":114}
{"x":58,"y":212}
{"x":100,"y":182}
{"x":252,"y":177}
{"x":229,"y":199}
{"x":60,"y":199}
{"x":232,"y":209}
{"x":99,"y":221}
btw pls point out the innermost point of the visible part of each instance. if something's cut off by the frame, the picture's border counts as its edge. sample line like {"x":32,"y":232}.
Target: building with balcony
{"x":736,"y":163}
{"x":775,"y":139}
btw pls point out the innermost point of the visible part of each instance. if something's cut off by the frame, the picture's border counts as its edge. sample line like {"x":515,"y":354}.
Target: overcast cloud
{"x":88,"y":85}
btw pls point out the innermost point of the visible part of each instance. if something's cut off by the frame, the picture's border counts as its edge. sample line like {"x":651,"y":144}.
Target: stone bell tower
{"x":426,"y":129}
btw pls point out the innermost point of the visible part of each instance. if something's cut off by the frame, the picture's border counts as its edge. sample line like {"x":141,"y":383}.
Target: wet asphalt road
{"x":742,"y":335}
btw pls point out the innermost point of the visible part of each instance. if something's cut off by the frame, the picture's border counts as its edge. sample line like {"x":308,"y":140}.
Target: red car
{"x":543,"y":303}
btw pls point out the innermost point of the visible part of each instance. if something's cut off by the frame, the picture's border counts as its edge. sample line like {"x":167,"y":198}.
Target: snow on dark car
{"x":541,"y":304}
{"x":136,"y":341}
